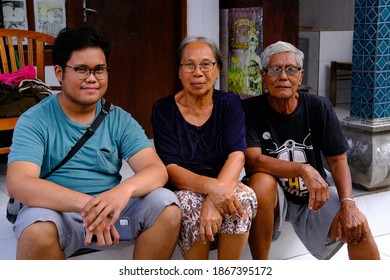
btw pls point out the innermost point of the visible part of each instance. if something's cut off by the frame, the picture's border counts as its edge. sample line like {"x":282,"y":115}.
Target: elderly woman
{"x":287,"y":134}
{"x":199,"y":133}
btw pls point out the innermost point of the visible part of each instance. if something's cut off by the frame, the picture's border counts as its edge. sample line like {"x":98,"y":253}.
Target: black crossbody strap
{"x":106,"y":108}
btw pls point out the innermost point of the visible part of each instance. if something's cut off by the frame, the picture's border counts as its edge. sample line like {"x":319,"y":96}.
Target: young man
{"x":287,"y":131}
{"x":85,"y":197}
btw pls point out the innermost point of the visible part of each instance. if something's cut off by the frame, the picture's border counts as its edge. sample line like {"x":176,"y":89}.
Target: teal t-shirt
{"x":44,"y":135}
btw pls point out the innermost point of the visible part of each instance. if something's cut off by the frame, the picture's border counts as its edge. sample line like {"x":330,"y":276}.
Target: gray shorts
{"x":142,"y":213}
{"x":311,"y":228}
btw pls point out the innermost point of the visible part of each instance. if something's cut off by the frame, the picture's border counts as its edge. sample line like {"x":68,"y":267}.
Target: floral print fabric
{"x":191,"y":205}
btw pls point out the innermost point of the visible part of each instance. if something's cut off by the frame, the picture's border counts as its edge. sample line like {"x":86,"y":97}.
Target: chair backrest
{"x":19,"y":48}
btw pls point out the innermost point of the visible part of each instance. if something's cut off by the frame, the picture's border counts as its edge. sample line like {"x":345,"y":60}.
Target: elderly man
{"x":287,"y":131}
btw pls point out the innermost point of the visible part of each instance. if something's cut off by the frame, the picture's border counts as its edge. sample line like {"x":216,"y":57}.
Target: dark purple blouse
{"x":200,"y":149}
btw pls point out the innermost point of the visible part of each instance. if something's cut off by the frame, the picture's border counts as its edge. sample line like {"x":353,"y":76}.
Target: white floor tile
{"x":304,"y":257}
{"x":376,"y":207}
{"x":342,"y":254}
{"x":383,"y":243}
{"x":287,"y":246}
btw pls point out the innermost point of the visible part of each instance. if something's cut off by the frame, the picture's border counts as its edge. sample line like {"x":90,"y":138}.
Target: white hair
{"x":280,"y":47}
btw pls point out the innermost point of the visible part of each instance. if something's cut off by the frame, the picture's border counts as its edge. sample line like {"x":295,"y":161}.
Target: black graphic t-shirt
{"x":312,"y":129}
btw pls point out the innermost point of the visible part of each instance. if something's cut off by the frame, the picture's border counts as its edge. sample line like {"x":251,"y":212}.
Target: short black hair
{"x":69,"y":40}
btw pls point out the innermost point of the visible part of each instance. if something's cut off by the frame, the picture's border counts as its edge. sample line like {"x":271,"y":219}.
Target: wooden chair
{"x":19,"y":48}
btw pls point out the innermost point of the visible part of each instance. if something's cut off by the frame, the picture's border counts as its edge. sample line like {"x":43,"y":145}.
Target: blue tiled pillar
{"x":371,"y":60}
{"x":368,"y":127}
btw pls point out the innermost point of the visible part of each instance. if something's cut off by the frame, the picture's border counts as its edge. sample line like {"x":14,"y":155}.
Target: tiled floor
{"x":375,"y":205}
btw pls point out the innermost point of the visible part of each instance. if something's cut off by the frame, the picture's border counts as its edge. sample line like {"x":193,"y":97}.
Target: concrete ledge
{"x":286,"y":247}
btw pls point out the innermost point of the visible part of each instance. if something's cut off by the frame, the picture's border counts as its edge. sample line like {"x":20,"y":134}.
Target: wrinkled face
{"x":198,"y":82}
{"x":83,"y":91}
{"x":284,"y":85}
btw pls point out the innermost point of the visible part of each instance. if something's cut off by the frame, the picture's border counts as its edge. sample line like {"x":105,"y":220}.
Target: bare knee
{"x":41,"y":233}
{"x":171,"y":216}
{"x":265,"y":187}
{"x":37,"y":240}
{"x":364,"y":250}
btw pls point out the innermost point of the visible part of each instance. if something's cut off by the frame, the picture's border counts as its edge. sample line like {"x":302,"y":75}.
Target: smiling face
{"x":282,"y":86}
{"x":84,"y":92}
{"x":198,"y":83}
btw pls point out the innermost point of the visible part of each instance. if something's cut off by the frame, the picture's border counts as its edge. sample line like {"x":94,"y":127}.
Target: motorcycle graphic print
{"x":290,"y":151}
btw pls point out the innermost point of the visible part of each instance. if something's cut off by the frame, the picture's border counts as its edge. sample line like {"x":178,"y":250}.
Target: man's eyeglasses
{"x":204,"y":66}
{"x":289,"y":70}
{"x":83,"y":72}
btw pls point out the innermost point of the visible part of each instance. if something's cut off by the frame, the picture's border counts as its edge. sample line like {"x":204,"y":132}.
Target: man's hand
{"x":104,"y":236}
{"x":352,"y":224}
{"x":317,"y":187}
{"x":108,"y":204}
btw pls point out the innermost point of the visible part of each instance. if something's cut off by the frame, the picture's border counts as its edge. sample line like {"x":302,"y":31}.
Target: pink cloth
{"x":15,"y":78}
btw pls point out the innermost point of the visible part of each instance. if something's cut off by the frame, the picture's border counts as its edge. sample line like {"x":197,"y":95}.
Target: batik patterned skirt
{"x":191,"y":205}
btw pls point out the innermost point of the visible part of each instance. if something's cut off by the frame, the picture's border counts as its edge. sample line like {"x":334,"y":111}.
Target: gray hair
{"x":216,"y":51}
{"x":280,"y":47}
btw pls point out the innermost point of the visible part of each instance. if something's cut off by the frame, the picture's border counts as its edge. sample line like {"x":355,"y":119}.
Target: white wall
{"x":203,"y":20}
{"x":50,"y":77}
{"x":325,"y":46}
{"x":329,"y":27}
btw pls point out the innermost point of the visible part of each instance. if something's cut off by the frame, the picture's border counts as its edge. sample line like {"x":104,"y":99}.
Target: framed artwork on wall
{"x":50,"y":16}
{"x":15,"y":14}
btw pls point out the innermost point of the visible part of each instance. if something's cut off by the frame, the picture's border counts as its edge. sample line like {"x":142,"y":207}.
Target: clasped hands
{"x":219,"y":201}
{"x":99,"y":216}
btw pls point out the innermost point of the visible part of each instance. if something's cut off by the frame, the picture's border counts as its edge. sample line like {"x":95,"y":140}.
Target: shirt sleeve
{"x":234,"y":122}
{"x":28,"y":141}
{"x":253,"y":138}
{"x":132,"y":136}
{"x":332,"y":138}
{"x":164,"y":132}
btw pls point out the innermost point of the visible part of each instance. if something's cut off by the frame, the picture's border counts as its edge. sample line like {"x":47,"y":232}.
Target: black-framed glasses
{"x":289,"y":70}
{"x":83,"y":72}
{"x":204,"y":66}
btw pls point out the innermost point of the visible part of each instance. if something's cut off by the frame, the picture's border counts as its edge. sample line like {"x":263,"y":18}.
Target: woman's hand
{"x":210,"y":221}
{"x":225,"y":200}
